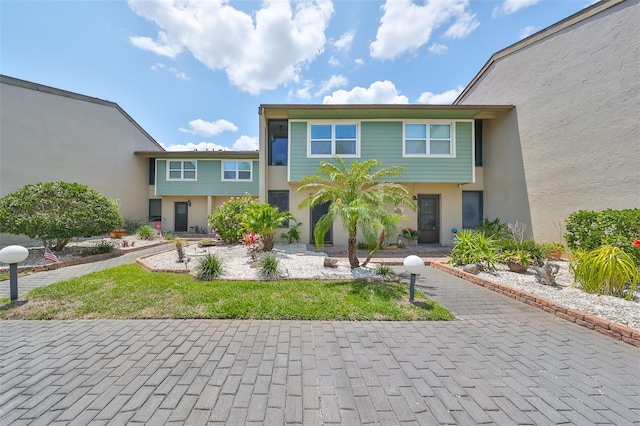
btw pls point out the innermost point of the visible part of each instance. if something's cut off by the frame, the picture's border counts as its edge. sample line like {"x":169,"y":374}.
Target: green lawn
{"x":129,"y":291}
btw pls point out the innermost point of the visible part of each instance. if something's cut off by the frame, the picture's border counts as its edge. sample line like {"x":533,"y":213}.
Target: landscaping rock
{"x":330,"y":262}
{"x":471,"y":269}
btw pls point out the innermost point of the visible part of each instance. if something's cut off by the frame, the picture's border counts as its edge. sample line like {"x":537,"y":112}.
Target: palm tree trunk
{"x":351,"y":249}
{"x":379,"y":245}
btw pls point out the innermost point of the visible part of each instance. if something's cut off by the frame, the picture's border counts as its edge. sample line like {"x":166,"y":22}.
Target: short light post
{"x":413,"y":265}
{"x":13,"y":255}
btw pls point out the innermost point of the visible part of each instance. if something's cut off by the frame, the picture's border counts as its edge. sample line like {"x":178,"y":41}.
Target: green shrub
{"x":268,"y":265}
{"x":132,"y":225}
{"x":473,"y":247}
{"x":607,"y":270}
{"x":227,"y":219}
{"x":363,"y":245}
{"x":169,"y":236}
{"x":146,"y":232}
{"x":102,"y":247}
{"x":264,"y":219}
{"x":589,"y":230}
{"x":521,"y":257}
{"x":209,"y":268}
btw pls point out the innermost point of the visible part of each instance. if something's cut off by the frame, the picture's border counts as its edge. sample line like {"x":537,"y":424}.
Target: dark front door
{"x":181,"y":216}
{"x":429,"y":218}
{"x":316,"y":213}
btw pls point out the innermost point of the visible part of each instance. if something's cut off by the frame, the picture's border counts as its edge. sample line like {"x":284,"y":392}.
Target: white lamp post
{"x":13,"y":255}
{"x":413,"y":265}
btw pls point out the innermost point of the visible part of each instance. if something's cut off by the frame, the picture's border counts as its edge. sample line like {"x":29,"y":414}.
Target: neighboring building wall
{"x":48,"y":134}
{"x":573,"y":141}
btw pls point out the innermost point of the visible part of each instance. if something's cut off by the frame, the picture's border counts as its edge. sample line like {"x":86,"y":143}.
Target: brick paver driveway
{"x":502,"y":362}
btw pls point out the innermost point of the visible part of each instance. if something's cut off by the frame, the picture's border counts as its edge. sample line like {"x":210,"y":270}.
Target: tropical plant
{"x":227,"y":218}
{"x":473,"y":247}
{"x":357,"y":196}
{"x":132,"y":225}
{"x":146,"y":232}
{"x":384,"y":271}
{"x":536,"y":252}
{"x":264,"y":219}
{"x":494,"y":229}
{"x":169,"y":236}
{"x":253,"y":243}
{"x":56,"y":212}
{"x":293,"y":234}
{"x":268,"y":265}
{"x":607,"y":270}
{"x":519,"y":257}
{"x":209,"y":268}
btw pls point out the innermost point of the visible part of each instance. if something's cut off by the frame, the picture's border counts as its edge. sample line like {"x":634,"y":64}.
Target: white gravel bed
{"x":294,"y":262}
{"x":615,"y":309}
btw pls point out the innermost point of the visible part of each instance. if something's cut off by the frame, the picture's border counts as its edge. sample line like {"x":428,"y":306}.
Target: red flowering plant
{"x":252,"y":242}
{"x":636,"y":243}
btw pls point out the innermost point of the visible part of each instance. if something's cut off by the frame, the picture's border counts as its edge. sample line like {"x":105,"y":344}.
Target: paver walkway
{"x":502,"y":362}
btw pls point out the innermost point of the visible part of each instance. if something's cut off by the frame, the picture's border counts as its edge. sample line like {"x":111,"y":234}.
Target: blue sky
{"x":193,"y":73}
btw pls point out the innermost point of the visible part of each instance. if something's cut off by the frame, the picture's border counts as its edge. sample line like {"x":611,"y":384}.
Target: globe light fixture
{"x":13,"y":255}
{"x":413,"y":265}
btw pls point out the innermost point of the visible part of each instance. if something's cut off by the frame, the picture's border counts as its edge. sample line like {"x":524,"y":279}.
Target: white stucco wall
{"x":52,"y":137}
{"x":576,"y":127}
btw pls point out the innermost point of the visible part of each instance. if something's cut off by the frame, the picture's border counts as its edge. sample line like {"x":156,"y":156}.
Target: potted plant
{"x":553,"y":251}
{"x":410,"y":233}
{"x":517,"y":260}
{"x":414,"y":234}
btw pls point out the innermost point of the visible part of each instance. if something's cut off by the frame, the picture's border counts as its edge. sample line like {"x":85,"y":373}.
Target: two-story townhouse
{"x":186,"y":186}
{"x":440,"y":146}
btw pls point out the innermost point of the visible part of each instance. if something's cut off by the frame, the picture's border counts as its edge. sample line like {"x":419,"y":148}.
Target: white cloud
{"x":345,"y":41}
{"x":334,"y":82}
{"x":157,"y":66}
{"x":244,"y":143}
{"x":162,"y":47}
{"x":304,"y":92}
{"x":527,"y":31}
{"x":380,"y":92}
{"x":444,"y":98}
{"x":209,"y":128}
{"x":334,"y":62}
{"x":359,"y":62}
{"x":438,"y":48}
{"x":258,"y":52}
{"x":406,"y":26}
{"x":510,"y":6}
{"x":180,"y":74}
{"x":464,"y":25}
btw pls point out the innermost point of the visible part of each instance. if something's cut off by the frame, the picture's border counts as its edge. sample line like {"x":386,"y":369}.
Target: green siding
{"x":209,"y":181}
{"x":382,"y":140}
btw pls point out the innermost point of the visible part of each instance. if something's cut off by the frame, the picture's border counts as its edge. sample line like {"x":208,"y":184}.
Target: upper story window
{"x":428,"y":139}
{"x":237,"y":170}
{"x":278,"y":143}
{"x":327,"y":140}
{"x":182,"y":170}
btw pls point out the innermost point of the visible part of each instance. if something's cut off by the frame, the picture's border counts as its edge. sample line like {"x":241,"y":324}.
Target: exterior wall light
{"x":413,"y":265}
{"x":13,"y":255}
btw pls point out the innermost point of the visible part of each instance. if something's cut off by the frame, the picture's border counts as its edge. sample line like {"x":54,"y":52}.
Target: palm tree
{"x":357,"y":196}
{"x":264,"y":219}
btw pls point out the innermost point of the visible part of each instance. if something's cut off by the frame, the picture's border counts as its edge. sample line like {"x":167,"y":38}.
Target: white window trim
{"x":237,"y":171}
{"x":182,"y":170}
{"x":427,"y":122}
{"x":333,"y":138}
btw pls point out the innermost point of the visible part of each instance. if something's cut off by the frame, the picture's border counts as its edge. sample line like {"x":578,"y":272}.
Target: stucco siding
{"x":50,"y":137}
{"x":574,"y":140}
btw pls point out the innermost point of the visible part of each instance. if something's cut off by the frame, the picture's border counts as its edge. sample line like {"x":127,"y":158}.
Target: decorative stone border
{"x":611,"y":329}
{"x":145,"y":265}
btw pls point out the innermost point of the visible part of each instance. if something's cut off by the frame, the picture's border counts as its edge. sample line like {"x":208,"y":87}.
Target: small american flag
{"x":48,"y":254}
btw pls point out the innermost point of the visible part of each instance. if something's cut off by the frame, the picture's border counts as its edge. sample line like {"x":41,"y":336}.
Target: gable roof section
{"x":200,"y":155}
{"x":5,"y":79}
{"x":540,"y":35}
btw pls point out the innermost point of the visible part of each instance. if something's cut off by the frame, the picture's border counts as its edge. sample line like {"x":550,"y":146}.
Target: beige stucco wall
{"x":573,"y":141}
{"x":48,"y":137}
{"x":198,"y":213}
